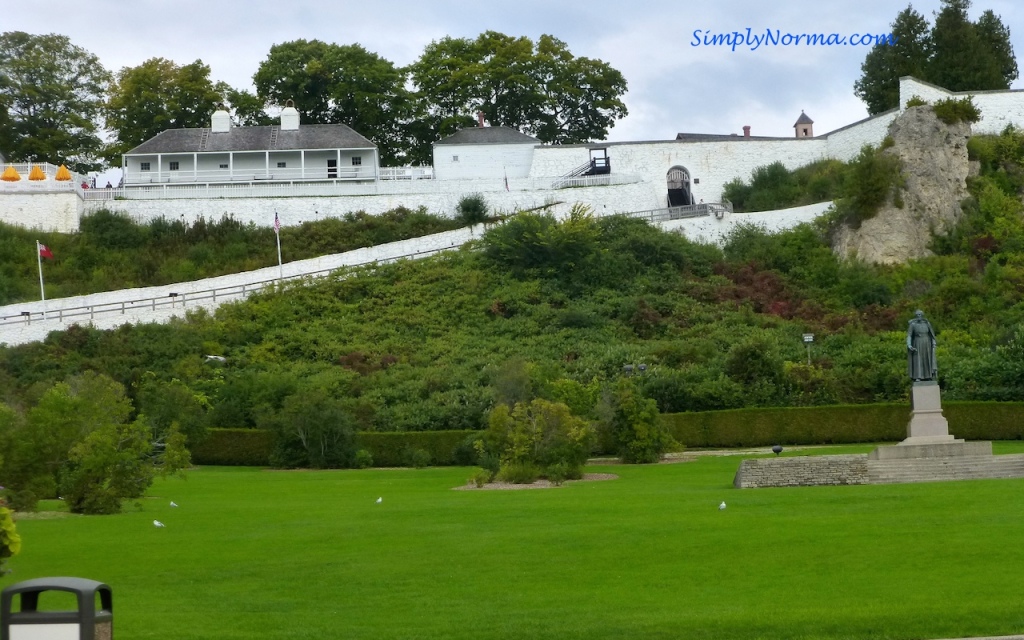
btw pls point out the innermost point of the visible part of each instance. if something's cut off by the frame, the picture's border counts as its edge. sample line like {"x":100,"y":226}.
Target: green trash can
{"x":89,"y":622}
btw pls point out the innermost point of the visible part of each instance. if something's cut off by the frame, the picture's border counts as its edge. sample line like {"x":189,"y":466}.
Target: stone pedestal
{"x":927,"y":424}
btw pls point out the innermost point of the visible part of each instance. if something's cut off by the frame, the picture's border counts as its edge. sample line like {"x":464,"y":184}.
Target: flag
{"x":506,"y":181}
{"x":44,"y":251}
{"x":277,"y":223}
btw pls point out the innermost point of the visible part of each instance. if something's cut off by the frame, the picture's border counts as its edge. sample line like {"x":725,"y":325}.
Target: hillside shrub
{"x":953,"y":110}
{"x":472,"y":209}
{"x":916,"y":101}
{"x":874,"y":177}
{"x":632,"y":421}
{"x":531,"y":437}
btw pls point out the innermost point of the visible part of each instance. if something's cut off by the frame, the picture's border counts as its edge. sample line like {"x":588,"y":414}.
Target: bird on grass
{"x":380,"y":500}
{"x":158,"y":524}
{"x":721,"y":507}
{"x":173,"y":503}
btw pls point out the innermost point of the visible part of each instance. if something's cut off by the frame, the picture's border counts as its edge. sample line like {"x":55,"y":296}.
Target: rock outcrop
{"x":935,"y":168}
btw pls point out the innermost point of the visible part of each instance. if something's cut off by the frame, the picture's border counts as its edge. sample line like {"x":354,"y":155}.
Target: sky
{"x":674,"y":86}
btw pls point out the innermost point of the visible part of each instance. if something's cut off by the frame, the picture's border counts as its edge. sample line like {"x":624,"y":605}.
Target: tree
{"x":155,"y":96}
{"x":339,"y":84}
{"x":540,"y":89}
{"x":52,"y":92}
{"x":885,"y":64}
{"x":955,"y":54}
{"x":632,"y":421}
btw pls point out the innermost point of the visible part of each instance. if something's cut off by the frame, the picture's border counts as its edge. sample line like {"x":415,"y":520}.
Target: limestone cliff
{"x":935,"y":168}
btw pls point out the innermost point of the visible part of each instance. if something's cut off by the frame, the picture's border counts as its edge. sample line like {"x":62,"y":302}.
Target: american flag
{"x":277,"y":223}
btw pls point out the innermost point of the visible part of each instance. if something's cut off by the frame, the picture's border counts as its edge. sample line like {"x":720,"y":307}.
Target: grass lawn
{"x":275,"y":554}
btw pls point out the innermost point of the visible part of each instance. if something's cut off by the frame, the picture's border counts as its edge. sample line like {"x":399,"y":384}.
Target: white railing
{"x":174,"y":300}
{"x":406,"y":173}
{"x":717,"y":209}
{"x":240,"y":175}
{"x":50,"y":184}
{"x":594,"y":181}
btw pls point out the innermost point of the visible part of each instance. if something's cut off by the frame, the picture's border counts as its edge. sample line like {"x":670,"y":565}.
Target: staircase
{"x":567,"y":179}
{"x":945,"y":469}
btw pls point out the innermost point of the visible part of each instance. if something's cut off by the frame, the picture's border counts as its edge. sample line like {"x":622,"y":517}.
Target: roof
{"x":307,"y":136}
{"x":718,"y":137}
{"x":489,"y":135}
{"x":803,"y":119}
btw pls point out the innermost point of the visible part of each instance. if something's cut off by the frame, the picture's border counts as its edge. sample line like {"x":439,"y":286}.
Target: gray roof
{"x":307,"y":136}
{"x":803,"y":119}
{"x":489,"y":135}
{"x":720,"y":137}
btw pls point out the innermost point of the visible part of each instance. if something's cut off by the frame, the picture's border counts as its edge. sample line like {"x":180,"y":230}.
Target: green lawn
{"x":271,"y":554}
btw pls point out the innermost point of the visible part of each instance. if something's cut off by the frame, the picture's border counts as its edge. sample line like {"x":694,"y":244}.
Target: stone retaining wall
{"x":802,"y":472}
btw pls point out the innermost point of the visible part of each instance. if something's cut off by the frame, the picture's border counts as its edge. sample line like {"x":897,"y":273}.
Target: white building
{"x":222,"y":153}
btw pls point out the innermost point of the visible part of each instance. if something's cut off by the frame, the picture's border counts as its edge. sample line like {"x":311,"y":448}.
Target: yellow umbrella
{"x":63,"y":174}
{"x":36,"y":173}
{"x":10,"y":174}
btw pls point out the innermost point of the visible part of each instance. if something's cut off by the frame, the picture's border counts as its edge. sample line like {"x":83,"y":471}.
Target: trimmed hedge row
{"x":253,"y":447}
{"x":839,"y":424}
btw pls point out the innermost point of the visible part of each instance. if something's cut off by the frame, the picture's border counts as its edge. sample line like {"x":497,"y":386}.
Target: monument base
{"x":927,"y":424}
{"x":952,"y":449}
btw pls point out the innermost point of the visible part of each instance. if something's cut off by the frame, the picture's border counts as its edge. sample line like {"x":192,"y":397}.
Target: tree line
{"x":56,"y":98}
{"x":954,"y":53}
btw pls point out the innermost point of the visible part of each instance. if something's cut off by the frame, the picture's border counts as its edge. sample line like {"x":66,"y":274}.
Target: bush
{"x":916,"y":101}
{"x":481,"y":477}
{"x":364,"y":459}
{"x":633,"y":423}
{"x":519,"y":472}
{"x":952,"y":110}
{"x":10,"y":541}
{"x":390,"y":449}
{"x":874,"y":176}
{"x":472,"y":209}
{"x":417,"y":458}
{"x":534,"y":436}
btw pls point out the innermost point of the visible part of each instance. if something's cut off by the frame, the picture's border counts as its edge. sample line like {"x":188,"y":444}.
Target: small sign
{"x":808,"y":337}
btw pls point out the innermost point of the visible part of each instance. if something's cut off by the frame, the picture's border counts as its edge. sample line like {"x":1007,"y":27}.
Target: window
{"x":357,"y":161}
{"x":224,"y":166}
{"x":455,"y":158}
{"x":282,"y":165}
{"x":174,"y":165}
{"x":143,"y":166}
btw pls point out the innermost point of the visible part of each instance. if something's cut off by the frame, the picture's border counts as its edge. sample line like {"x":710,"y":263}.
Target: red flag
{"x":45,"y":252}
{"x":277,"y":223}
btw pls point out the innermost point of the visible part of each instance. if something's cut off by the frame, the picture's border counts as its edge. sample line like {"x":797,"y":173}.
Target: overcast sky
{"x":673,"y":85}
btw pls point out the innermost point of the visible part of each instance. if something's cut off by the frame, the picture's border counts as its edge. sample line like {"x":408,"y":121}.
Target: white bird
{"x":216,"y":359}
{"x":380,"y":500}
{"x":173,"y":503}
{"x":157,"y":523}
{"x":721,"y":506}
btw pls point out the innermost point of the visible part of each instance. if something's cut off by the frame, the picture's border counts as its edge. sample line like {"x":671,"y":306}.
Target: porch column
{"x":159,"y":168}
{"x":302,"y":163}
{"x":195,"y":167}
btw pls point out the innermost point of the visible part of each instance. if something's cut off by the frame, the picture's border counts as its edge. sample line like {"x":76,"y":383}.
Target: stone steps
{"x":945,"y":469}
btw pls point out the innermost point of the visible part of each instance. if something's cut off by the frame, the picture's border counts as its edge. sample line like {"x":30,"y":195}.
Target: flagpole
{"x":42,"y":289}
{"x":277,"y":232}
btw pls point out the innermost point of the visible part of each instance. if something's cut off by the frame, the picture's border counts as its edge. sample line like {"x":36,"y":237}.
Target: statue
{"x":921,"y":364}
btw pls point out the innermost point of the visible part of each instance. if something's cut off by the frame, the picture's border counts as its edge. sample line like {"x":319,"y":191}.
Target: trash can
{"x":89,"y":622}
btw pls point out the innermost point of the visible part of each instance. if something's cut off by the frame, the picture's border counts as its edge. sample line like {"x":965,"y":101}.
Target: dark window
{"x":174,"y":165}
{"x":356,"y":161}
{"x":223,"y":166}
{"x":143,"y":166}
{"x":282,"y":165}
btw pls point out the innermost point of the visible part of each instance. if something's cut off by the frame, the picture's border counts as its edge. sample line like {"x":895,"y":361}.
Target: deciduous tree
{"x":52,"y":92}
{"x":339,"y":84}
{"x":154,"y":96}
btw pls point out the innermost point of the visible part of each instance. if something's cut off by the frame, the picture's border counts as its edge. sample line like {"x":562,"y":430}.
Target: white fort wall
{"x":998,"y":108}
{"x":462,"y":161}
{"x":43,"y":211}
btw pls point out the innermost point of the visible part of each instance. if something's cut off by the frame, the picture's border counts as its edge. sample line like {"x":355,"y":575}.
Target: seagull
{"x":158,"y":524}
{"x":216,"y":359}
{"x":380,"y":500}
{"x":173,"y":503}
{"x":721,"y":507}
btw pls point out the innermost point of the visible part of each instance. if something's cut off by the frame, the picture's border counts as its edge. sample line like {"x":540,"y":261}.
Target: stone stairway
{"x":944,"y":469}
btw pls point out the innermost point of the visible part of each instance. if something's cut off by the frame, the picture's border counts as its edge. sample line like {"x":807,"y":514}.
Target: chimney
{"x":289,"y":117}
{"x":220,"y":122}
{"x":746,"y":131}
{"x":480,"y":119}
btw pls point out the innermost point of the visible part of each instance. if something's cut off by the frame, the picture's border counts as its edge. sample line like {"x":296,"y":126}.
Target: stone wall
{"x":806,"y":471}
{"x":482,"y":160}
{"x":44,"y":211}
{"x":998,"y":108}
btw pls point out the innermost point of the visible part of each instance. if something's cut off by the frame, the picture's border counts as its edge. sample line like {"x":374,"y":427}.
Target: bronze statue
{"x":921,"y":364}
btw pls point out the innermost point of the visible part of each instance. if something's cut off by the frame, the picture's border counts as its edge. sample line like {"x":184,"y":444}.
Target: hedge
{"x":252,"y":447}
{"x":839,"y":424}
